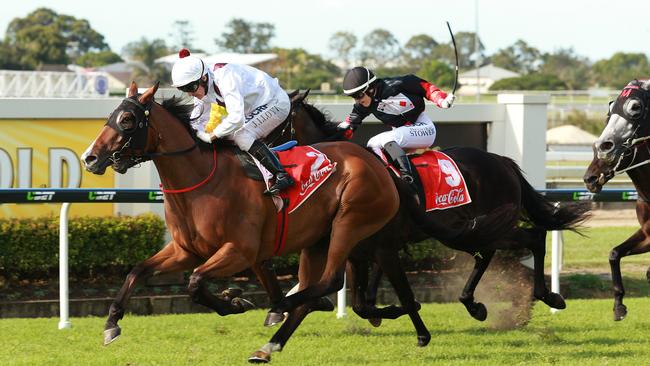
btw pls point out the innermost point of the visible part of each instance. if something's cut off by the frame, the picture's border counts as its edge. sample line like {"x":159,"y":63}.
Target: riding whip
{"x":453,"y":41}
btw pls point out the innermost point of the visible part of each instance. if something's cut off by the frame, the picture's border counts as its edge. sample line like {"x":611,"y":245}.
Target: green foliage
{"x":534,"y":81}
{"x":246,"y":37}
{"x":45,"y":37}
{"x":437,"y":73}
{"x":520,"y":57}
{"x":298,"y":69}
{"x":29,"y":247}
{"x":467,"y":53}
{"x":581,"y":119}
{"x":95,"y":59}
{"x":147,"y":52}
{"x":572,"y":69}
{"x":342,"y":44}
{"x":622,"y":67}
{"x":380,"y":47}
{"x":418,"y":50}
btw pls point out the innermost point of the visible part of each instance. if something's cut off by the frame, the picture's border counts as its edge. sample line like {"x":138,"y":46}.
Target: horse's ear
{"x":147,"y":96}
{"x":293,"y":94}
{"x":299,"y":97}
{"x":133,"y":89}
{"x":306,"y":93}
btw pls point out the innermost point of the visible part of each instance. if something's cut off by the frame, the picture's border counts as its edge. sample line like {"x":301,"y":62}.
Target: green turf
{"x":584,"y":334}
{"x":591,"y":251}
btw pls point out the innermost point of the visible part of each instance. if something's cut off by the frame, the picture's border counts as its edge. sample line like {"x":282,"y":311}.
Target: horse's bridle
{"x":633,"y":143}
{"x":138,"y":135}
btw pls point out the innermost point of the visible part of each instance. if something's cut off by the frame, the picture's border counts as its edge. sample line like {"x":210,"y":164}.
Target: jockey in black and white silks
{"x":398,"y":102}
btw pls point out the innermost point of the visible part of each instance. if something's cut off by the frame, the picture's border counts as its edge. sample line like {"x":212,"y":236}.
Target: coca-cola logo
{"x":314,"y":178}
{"x":454,"y":196}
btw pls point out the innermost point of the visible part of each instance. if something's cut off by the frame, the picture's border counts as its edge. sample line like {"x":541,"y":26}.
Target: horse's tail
{"x":541,"y":212}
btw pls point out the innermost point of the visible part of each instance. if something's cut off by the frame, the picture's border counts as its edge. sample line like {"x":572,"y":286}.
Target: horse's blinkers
{"x":136,"y":132}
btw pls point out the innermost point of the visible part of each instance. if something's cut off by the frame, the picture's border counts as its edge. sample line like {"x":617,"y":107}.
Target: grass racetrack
{"x":583,"y":334}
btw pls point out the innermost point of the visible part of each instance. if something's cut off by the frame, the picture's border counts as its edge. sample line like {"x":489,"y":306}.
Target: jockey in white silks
{"x":245,"y":103}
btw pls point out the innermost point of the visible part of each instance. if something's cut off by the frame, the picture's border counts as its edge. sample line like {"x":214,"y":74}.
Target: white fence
{"x":53,"y":84}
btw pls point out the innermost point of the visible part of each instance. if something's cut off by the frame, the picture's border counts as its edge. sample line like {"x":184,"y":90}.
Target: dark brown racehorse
{"x":219,"y":220}
{"x":623,"y":147}
{"x":495,"y":183}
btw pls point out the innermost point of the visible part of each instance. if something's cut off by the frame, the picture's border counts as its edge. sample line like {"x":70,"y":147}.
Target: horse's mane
{"x":181,"y":108}
{"x":322,"y":120}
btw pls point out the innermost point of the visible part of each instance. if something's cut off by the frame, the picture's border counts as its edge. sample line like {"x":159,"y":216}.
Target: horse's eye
{"x":126,"y":121}
{"x":633,"y":108}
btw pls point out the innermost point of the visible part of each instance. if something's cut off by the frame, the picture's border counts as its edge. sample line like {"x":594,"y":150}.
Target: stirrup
{"x":280,"y":184}
{"x":407,"y":177}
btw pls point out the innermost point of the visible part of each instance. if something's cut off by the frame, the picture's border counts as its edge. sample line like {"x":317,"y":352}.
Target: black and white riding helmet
{"x":357,"y":81}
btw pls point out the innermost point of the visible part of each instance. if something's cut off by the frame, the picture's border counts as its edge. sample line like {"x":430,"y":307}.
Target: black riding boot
{"x":282,"y":179}
{"x":399,"y":156}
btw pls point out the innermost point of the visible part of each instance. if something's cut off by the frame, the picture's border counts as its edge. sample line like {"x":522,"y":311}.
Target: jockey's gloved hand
{"x":346,"y":128}
{"x":205,"y":137}
{"x":448,"y":101}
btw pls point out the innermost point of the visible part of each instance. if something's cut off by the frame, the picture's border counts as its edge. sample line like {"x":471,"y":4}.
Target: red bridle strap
{"x":188,"y":189}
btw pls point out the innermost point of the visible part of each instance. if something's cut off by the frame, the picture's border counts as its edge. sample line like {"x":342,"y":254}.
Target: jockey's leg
{"x":256,"y":127}
{"x":282,"y":179}
{"x":399,"y":156}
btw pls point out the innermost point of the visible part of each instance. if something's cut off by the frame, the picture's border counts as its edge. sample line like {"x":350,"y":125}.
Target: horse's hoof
{"x":243,"y":304}
{"x":260,"y":357}
{"x":231,"y":293}
{"x":273,"y":319}
{"x":478,"y":311}
{"x":556,"y":301}
{"x":323,"y":304}
{"x":111,"y":334}
{"x":424,"y":340}
{"x":375,"y":322}
{"x":620,"y":311}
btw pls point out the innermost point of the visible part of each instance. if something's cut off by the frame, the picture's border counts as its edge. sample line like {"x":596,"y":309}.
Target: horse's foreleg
{"x":371,"y":293}
{"x":638,"y":243}
{"x":476,"y":309}
{"x":170,"y":259}
{"x":227,"y":261}
{"x":281,"y":337}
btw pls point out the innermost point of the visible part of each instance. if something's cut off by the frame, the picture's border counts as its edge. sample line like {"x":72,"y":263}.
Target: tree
{"x":534,"y":81}
{"x":620,"y":69}
{"x":246,"y":37}
{"x":520,"y":57}
{"x":438,"y":73}
{"x":572,"y":69}
{"x":147,"y":52}
{"x":379,"y":48}
{"x":183,"y":35}
{"x":45,"y":37}
{"x":467,"y":55}
{"x":342,"y":44}
{"x":101,"y":58}
{"x":298,"y":69}
{"x":418,"y":50}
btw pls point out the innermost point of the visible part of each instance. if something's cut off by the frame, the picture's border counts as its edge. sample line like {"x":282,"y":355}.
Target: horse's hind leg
{"x":391,"y":266}
{"x":227,"y":261}
{"x":476,"y":309}
{"x":535,"y":240}
{"x":638,"y":243}
{"x":171,"y":258}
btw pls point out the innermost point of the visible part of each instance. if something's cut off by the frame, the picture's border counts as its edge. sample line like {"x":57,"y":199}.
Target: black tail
{"x":541,"y":212}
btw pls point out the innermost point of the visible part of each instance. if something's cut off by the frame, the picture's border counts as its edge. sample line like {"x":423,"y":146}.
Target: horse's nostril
{"x":590,"y":179}
{"x":606,"y":146}
{"x":90,"y":160}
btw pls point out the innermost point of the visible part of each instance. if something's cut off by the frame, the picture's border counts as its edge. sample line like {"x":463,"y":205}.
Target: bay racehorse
{"x":494,"y":182}
{"x":623,"y":148}
{"x":219,"y":221}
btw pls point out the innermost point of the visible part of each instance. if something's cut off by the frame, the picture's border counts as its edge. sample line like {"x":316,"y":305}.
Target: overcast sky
{"x":595,"y":29}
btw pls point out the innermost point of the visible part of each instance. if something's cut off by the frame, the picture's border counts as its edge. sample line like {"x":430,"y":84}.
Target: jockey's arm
{"x":234,"y":101}
{"x":427,"y":90}
{"x":357,"y":116}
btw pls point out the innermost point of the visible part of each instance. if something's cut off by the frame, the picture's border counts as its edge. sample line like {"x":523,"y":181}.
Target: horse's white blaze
{"x":618,"y":128}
